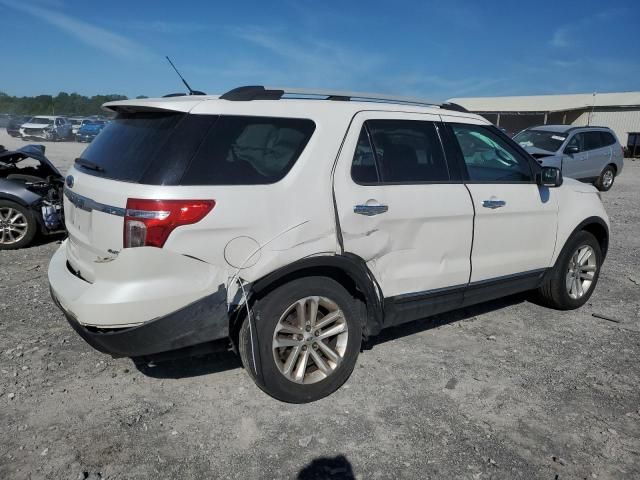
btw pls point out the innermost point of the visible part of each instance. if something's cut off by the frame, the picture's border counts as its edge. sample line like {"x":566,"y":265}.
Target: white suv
{"x":298,"y":223}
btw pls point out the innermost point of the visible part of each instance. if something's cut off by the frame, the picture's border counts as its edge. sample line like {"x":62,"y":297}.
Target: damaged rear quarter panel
{"x":286,"y":221}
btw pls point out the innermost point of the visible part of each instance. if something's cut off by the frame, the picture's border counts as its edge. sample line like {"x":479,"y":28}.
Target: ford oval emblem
{"x":69,"y":181}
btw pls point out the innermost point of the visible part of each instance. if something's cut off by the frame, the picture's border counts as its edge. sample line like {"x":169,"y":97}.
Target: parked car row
{"x":55,"y":128}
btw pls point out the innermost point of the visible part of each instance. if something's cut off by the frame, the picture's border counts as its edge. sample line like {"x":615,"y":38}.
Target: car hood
{"x":28,"y":151}
{"x":538,"y":152}
{"x":35,"y":125}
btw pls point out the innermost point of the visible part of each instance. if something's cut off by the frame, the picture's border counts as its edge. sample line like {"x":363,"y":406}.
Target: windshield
{"x":542,"y":139}
{"x":41,"y":121}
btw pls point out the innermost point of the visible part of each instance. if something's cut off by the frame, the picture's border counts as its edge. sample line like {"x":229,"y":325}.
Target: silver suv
{"x":590,"y":154}
{"x":46,"y":127}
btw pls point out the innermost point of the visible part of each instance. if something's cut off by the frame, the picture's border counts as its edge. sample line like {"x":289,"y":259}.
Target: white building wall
{"x":621,"y":122}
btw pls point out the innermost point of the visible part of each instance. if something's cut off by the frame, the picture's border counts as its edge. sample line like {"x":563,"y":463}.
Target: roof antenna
{"x":191,"y":91}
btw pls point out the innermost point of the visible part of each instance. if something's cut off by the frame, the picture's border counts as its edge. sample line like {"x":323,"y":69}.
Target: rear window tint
{"x":607,"y":139}
{"x":168,"y":148}
{"x":248,"y":151}
{"x":404,"y":151}
{"x":126,"y":148}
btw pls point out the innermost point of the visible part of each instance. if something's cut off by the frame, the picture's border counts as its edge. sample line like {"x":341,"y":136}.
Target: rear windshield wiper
{"x":83,"y":162}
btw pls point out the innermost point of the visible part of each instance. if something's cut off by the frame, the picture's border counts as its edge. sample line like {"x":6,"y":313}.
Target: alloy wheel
{"x":310,"y":340}
{"x":13,"y":225}
{"x":607,"y":179}
{"x":581,"y":272}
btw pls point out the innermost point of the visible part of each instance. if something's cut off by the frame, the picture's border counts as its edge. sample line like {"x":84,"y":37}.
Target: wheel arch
{"x":598,"y":228}
{"x":347,"y":269}
{"x":8,"y":197}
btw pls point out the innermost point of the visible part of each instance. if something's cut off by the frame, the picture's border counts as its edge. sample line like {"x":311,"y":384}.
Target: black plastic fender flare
{"x":350,"y":265}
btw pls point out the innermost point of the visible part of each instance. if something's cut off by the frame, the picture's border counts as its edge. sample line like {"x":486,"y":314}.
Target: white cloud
{"x":560,"y":38}
{"x":567,"y":35}
{"x":161,"y":26}
{"x":91,"y":35}
{"x":309,"y":61}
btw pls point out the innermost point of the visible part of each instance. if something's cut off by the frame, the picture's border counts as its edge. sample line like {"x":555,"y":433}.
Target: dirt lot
{"x":507,"y":389}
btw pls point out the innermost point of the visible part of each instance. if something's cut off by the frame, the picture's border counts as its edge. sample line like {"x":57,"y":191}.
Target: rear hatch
{"x":135,"y":154}
{"x":153,"y":154}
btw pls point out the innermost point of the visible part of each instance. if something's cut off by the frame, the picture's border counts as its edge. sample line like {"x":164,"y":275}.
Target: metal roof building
{"x":618,"y":111}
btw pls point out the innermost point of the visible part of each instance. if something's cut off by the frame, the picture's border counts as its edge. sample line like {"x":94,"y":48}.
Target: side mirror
{"x":549,"y":177}
{"x":571,"y":150}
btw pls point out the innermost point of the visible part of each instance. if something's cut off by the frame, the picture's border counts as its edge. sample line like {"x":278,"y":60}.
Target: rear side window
{"x":607,"y":139}
{"x":399,"y":151}
{"x":592,"y":140}
{"x":172,"y":148}
{"x":248,"y":151}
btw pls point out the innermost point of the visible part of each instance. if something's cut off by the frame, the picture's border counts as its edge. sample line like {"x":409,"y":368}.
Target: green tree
{"x":62,"y":104}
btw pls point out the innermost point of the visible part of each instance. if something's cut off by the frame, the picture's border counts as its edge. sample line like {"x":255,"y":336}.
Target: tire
{"x":266,"y":365}
{"x":560,"y":289}
{"x":13,"y":234}
{"x":606,"y":179}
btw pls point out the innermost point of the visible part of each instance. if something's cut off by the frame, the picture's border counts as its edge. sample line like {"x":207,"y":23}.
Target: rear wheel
{"x":606,"y":179}
{"x":302,"y":339}
{"x":575,"y":274}
{"x":17,"y":226}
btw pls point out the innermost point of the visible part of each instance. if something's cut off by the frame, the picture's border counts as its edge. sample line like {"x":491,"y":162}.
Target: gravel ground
{"x":507,"y":389}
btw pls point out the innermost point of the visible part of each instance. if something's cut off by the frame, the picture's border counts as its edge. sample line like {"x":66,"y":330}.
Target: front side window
{"x":577,"y":141}
{"x":399,"y":151}
{"x":488,"y":157}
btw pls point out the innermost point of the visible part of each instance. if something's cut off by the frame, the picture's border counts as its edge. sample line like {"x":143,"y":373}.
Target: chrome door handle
{"x":493,"y":204}
{"x":370,"y":210}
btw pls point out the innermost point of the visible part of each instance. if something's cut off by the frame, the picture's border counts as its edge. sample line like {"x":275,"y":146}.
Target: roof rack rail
{"x":259,"y":92}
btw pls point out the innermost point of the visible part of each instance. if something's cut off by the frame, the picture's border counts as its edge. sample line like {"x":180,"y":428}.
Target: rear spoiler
{"x":168,"y":104}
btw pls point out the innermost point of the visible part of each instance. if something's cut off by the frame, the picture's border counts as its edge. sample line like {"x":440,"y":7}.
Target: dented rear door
{"x":399,"y":205}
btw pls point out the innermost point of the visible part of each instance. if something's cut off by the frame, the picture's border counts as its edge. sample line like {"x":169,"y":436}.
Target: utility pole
{"x":593,"y":105}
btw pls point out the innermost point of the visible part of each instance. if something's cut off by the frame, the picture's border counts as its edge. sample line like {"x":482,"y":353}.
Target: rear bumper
{"x":203,"y":321}
{"x":142,"y":303}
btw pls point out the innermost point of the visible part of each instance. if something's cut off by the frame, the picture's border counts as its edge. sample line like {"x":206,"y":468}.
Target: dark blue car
{"x":88,"y":131}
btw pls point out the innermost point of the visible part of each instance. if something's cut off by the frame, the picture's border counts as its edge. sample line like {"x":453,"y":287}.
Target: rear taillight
{"x":148,"y":223}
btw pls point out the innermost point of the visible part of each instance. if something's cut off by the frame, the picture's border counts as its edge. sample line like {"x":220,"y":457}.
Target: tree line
{"x":62,"y":104}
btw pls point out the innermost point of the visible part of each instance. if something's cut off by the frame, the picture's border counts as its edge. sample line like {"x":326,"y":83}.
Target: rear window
{"x":592,"y":140}
{"x":171,"y":148}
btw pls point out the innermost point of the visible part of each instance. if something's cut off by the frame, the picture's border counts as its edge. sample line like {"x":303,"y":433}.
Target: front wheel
{"x":575,"y":274}
{"x":301,"y":341}
{"x":606,"y":179}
